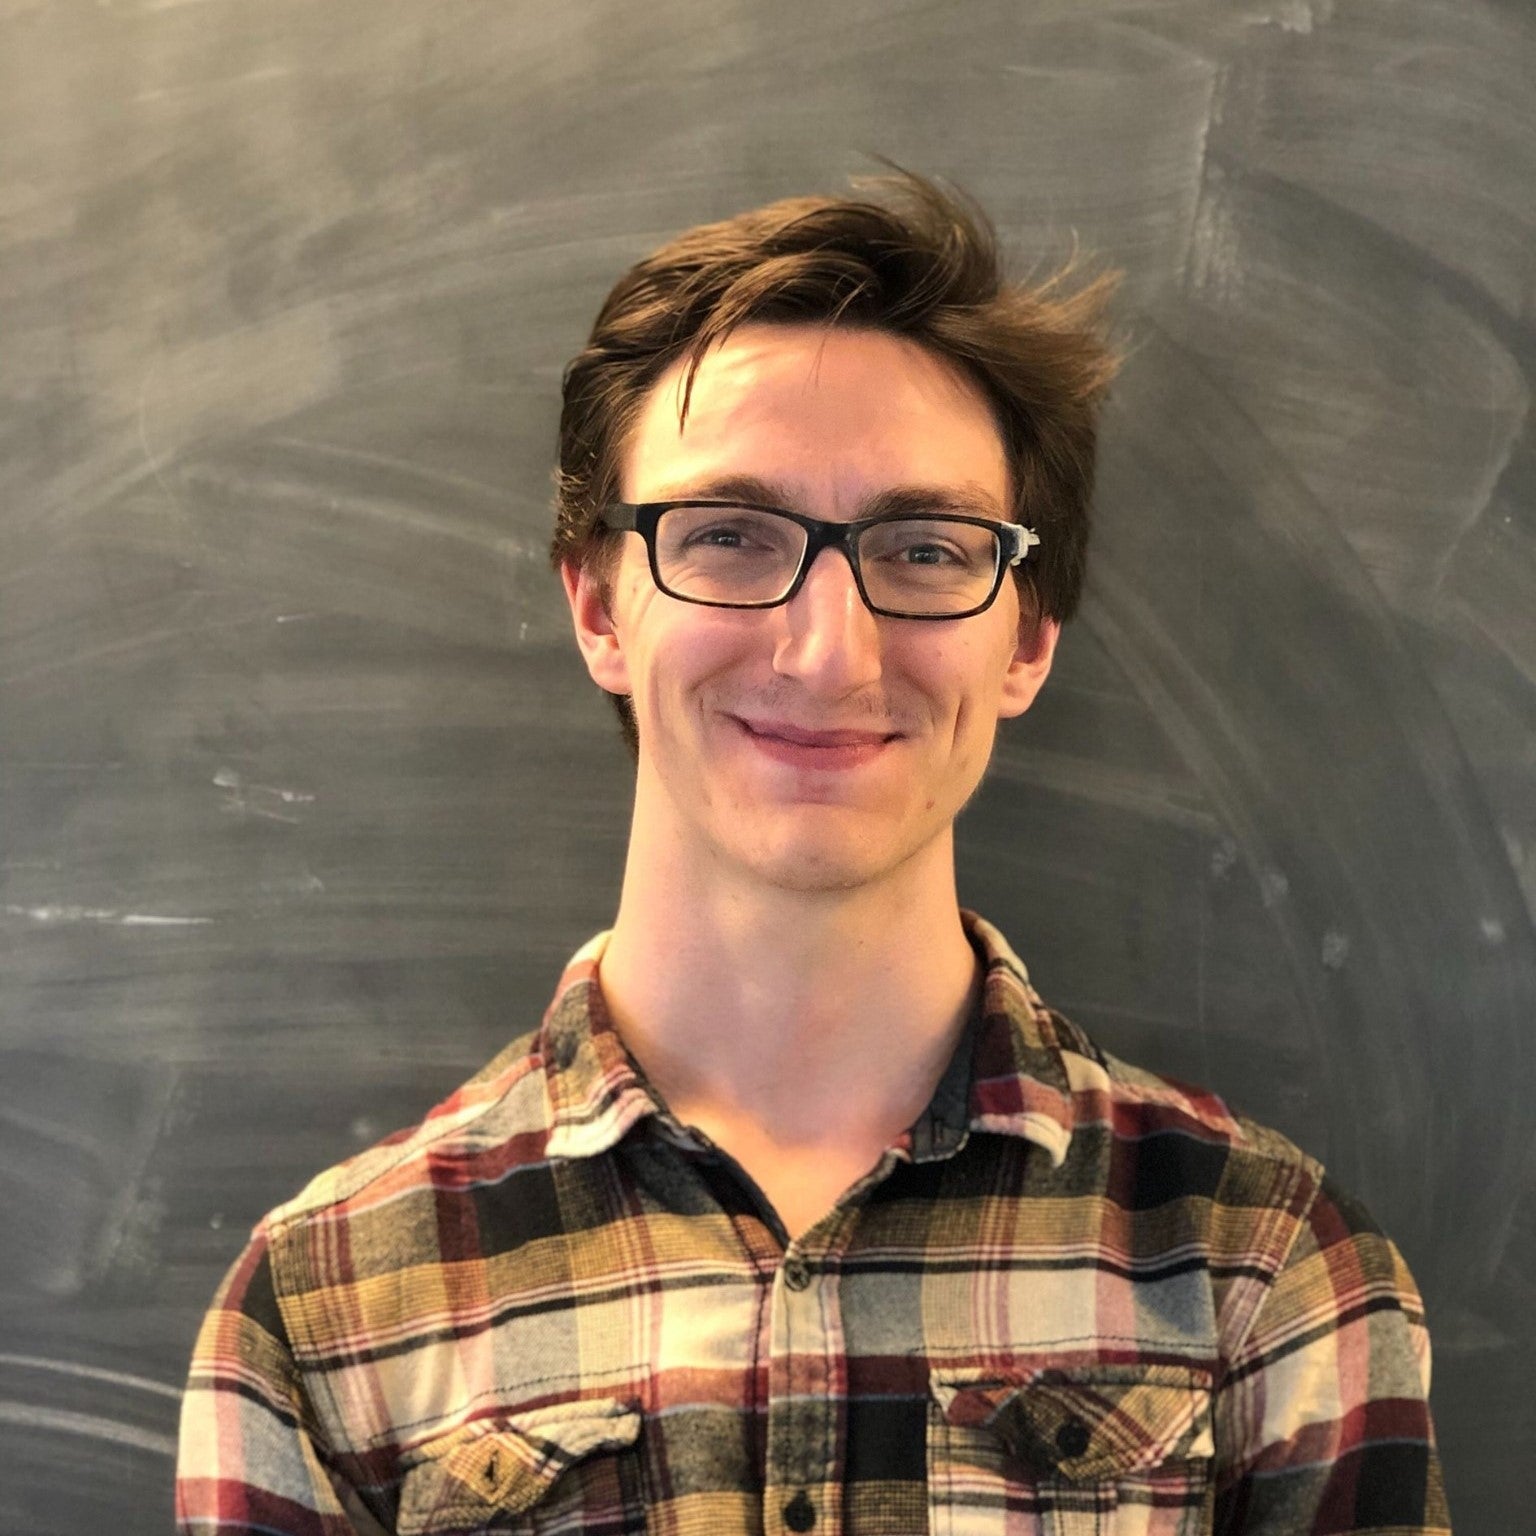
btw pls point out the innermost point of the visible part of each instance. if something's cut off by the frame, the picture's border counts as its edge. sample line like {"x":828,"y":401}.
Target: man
{"x":800,"y":1211}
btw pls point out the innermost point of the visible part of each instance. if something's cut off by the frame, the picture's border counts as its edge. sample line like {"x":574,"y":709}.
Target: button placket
{"x":803,"y":1461}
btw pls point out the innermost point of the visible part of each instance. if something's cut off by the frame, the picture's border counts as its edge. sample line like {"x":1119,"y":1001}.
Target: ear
{"x":595,"y":632}
{"x":1029,"y":668}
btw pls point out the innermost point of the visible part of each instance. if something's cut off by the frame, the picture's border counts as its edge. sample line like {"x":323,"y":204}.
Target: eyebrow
{"x":968,"y":499}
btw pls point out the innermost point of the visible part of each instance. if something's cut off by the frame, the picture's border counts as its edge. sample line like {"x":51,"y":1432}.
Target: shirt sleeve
{"x":250,"y":1457}
{"x":1322,"y":1418}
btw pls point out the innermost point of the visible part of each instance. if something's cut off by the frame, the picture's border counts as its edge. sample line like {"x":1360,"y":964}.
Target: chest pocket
{"x":571,"y":1467}
{"x":1093,"y":1452}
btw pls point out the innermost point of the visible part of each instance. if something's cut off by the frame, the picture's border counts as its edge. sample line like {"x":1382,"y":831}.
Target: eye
{"x":925,"y":552}
{"x":701,"y":532}
{"x":718,"y":536}
{"x":923,"y":542}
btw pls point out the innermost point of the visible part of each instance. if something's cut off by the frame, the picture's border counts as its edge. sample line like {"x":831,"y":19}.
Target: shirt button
{"x":1072,"y":1438}
{"x":800,"y":1513}
{"x":797,"y":1275}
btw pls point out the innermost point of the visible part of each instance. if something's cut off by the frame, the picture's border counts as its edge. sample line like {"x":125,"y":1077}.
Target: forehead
{"x":834,"y":415}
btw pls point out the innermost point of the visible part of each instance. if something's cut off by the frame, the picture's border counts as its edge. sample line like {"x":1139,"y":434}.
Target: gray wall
{"x":304,"y":797}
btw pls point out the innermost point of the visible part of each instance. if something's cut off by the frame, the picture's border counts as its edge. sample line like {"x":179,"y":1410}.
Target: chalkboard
{"x":305,"y":797}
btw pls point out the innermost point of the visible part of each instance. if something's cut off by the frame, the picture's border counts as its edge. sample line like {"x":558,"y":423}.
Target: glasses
{"x":728,"y":554}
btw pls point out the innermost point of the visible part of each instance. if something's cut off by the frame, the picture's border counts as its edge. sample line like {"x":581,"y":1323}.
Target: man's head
{"x":910,"y":260}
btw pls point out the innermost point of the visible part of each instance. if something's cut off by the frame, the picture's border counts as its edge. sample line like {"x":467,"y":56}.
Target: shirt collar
{"x":1019,"y":1083}
{"x":596,"y":1093}
{"x":1007,"y":1076}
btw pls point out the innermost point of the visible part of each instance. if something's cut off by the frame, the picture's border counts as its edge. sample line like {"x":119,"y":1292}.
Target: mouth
{"x":808,"y":747}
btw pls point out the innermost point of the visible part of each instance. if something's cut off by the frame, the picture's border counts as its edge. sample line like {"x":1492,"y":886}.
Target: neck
{"x":806,"y":1014}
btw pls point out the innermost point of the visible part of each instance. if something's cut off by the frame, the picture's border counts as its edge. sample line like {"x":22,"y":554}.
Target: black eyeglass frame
{"x":1014,"y":542}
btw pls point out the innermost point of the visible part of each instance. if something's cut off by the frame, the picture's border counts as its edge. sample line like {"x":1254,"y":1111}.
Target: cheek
{"x":683,"y":657}
{"x":973,"y":698}
{"x":964,"y":683}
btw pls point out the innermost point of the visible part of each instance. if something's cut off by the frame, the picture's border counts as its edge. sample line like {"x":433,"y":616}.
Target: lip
{"x":801,"y":746}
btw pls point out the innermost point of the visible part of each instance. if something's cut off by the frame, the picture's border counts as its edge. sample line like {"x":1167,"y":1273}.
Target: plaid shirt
{"x":1074,"y":1298}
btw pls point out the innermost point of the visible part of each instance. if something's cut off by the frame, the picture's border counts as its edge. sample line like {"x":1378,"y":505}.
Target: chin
{"x":825,"y":858}
{"x":808,"y":877}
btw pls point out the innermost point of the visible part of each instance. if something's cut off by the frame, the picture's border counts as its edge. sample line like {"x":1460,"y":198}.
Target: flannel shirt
{"x":1074,"y":1298}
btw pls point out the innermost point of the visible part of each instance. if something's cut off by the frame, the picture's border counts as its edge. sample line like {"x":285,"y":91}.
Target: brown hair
{"x":910,"y":258}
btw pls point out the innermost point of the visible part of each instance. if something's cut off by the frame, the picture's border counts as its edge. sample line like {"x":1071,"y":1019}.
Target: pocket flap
{"x":505,"y":1465}
{"x":1083,"y":1425}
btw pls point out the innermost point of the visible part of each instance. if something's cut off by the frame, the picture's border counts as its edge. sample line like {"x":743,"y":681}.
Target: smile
{"x":801,"y":747}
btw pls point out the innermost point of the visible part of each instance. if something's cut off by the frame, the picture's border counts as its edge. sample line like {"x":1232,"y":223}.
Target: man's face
{"x":812,"y":746}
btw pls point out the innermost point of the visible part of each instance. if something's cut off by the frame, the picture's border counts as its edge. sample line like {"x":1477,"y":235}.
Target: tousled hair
{"x":905,"y":256}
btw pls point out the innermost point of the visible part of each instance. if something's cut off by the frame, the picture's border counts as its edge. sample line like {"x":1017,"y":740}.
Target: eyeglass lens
{"x":915,"y":565}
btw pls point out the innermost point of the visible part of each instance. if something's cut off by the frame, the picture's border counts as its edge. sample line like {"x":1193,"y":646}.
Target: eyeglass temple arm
{"x":1024,"y":539}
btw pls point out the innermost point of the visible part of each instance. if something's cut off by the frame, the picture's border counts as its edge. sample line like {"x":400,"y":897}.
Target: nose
{"x":829,"y":641}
